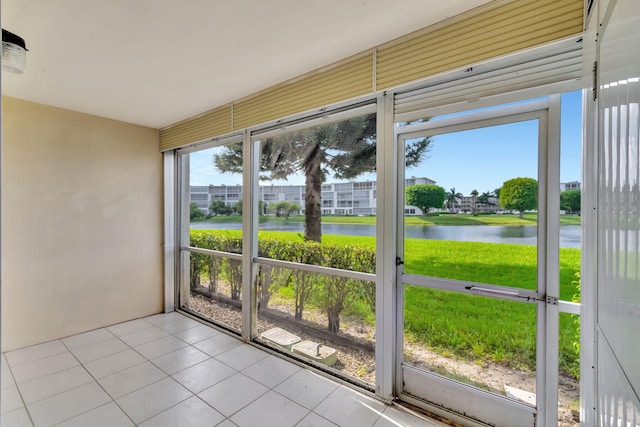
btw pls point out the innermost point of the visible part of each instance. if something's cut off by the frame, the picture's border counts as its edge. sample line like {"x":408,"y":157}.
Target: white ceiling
{"x":156,"y":62}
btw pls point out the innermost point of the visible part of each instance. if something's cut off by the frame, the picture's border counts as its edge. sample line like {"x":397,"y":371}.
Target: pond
{"x":512,"y":234}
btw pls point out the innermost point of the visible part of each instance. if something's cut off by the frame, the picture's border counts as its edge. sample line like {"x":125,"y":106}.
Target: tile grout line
{"x":99,"y":385}
{"x":141,"y":363}
{"x":50,"y":375}
{"x":167,"y":374}
{"x":174,"y":405}
{"x":280,"y":382}
{"x":35,"y":360}
{"x":190,"y":346}
{"x":24,"y":404}
{"x":338,"y":385}
{"x":96,"y":381}
{"x":146,"y":359}
{"x":249,"y":403}
{"x":231,"y":367}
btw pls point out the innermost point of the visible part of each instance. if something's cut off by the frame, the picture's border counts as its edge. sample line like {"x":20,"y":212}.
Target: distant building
{"x":203,"y":195}
{"x":573,"y":185}
{"x":347,"y":198}
{"x":416,"y":181}
{"x":466,"y":205}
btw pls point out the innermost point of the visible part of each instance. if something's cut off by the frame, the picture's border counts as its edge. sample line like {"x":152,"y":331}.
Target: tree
{"x":496,"y":193}
{"x":484,"y":198}
{"x":218,"y":207}
{"x":286,"y":208}
{"x":195,"y":213}
{"x":345,"y":149}
{"x":425,"y":196}
{"x":570,"y":201}
{"x":338,"y":293}
{"x":452,"y":198}
{"x":238,"y":207}
{"x":262,"y":207}
{"x":474,"y":199}
{"x":519,"y":194}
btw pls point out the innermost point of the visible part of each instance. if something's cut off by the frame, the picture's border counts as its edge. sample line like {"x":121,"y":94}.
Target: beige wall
{"x":81,"y":223}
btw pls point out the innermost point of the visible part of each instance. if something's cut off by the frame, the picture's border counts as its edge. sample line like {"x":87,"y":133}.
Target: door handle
{"x":491,"y":292}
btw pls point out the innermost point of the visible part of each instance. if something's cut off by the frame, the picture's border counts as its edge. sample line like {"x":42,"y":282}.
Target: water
{"x":512,"y":234}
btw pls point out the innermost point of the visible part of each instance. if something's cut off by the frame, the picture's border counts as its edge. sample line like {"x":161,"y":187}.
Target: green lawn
{"x":473,"y":327}
{"x":442,"y":219}
{"x":476,"y":327}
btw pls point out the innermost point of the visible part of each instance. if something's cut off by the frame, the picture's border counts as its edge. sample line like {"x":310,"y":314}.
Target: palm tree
{"x":453,"y":198}
{"x":474,"y":196}
{"x":485,"y":199}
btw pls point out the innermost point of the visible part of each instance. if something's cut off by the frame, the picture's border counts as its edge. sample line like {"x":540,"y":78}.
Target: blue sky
{"x":480,"y":159}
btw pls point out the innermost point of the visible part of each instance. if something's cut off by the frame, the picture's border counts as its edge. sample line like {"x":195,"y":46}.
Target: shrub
{"x":337,"y":292}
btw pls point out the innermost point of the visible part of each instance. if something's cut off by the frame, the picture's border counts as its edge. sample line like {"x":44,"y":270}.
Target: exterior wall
{"x":81,"y":223}
{"x":573,"y":185}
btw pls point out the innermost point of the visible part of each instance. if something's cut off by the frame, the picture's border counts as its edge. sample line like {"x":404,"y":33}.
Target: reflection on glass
{"x":569,"y":376}
{"x":484,"y":342}
{"x":471,"y":206}
{"x":215,"y":188}
{"x":327,"y":320}
{"x":215,"y":289}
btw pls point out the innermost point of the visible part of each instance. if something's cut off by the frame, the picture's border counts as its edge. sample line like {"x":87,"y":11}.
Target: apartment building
{"x":572,"y":185}
{"x":471,"y":204}
{"x":346,"y":198}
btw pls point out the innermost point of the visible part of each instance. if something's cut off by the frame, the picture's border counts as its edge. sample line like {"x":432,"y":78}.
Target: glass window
{"x":211,"y":279}
{"x":455,"y":240}
{"x":320,"y":164}
{"x":326,"y":320}
{"x":467,"y":338}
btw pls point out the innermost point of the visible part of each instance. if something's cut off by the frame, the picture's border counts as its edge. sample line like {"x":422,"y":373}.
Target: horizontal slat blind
{"x":497,"y":31}
{"x":349,"y":80}
{"x":210,"y":124}
{"x":491,"y":31}
{"x":551,"y":67}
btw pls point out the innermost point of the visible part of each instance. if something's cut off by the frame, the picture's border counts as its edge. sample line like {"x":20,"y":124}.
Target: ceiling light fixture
{"x":14,"y":52}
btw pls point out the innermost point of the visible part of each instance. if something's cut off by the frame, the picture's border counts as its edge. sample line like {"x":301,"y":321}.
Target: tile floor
{"x":170,"y":370}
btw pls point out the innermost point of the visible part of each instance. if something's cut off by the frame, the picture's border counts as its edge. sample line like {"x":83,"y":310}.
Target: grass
{"x":475,"y":327}
{"x":471,"y":327}
{"x":442,"y":219}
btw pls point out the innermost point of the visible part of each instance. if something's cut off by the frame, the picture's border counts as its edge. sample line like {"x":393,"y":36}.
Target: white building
{"x":346,"y":198}
{"x":573,"y":185}
{"x":466,"y":204}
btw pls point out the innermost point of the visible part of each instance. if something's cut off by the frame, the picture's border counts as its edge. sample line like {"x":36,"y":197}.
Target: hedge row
{"x":333,"y":294}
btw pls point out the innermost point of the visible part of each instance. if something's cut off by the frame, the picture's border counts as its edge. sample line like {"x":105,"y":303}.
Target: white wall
{"x":618,"y":207}
{"x":81,"y":223}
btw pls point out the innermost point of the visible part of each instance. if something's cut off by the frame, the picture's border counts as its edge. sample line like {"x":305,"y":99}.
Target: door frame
{"x":476,"y":404}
